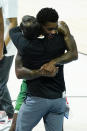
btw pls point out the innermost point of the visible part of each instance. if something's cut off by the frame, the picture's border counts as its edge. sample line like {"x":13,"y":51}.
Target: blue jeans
{"x":35,"y":108}
{"x":5,"y":99}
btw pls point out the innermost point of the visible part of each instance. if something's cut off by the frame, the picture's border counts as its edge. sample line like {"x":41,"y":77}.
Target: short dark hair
{"x":30,"y":27}
{"x":28,"y":18}
{"x":47,"y":15}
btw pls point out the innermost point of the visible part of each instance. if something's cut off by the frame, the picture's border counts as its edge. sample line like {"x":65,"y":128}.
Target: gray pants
{"x":5,"y":99}
{"x":35,"y":108}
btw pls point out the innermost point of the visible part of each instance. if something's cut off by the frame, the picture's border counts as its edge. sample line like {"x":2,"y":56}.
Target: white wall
{"x":71,"y":11}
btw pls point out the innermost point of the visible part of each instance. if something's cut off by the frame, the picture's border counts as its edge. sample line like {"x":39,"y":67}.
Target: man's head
{"x":48,"y":18}
{"x":30,"y":27}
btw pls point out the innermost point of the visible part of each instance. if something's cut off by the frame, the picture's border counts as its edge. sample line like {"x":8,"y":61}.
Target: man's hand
{"x":22,"y":72}
{"x":46,"y":73}
{"x":63,"y":28}
{"x":49,"y":69}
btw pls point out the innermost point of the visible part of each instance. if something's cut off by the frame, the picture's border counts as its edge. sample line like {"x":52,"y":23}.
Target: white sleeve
{"x":11,"y":8}
{"x":0,"y":4}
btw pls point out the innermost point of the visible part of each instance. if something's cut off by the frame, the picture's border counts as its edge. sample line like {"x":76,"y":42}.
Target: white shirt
{"x":9,"y":8}
{"x":0,"y":3}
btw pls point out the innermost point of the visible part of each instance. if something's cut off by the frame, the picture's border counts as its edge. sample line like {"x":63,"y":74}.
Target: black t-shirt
{"x":34,"y":54}
{"x":4,"y":49}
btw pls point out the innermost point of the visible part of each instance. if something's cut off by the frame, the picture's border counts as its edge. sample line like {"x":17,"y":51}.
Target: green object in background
{"x":21,"y":96}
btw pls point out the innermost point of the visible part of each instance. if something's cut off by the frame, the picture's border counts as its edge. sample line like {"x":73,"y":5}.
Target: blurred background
{"x":73,"y":12}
